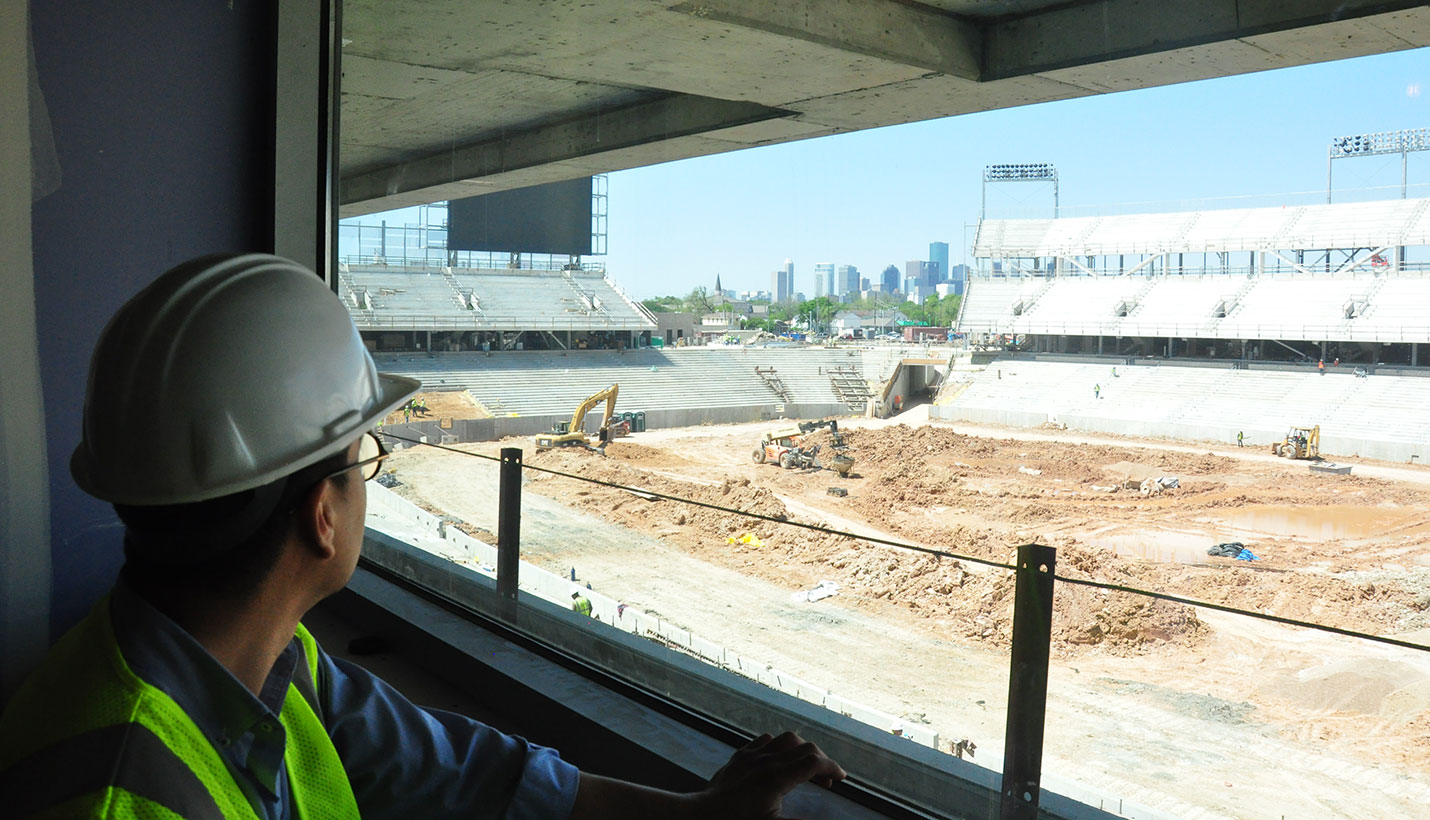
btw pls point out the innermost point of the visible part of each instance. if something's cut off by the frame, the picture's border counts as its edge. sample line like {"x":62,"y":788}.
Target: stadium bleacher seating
{"x":1376,"y":408}
{"x":1084,"y":305}
{"x":989,"y":303}
{"x":439,"y":299}
{"x":1340,"y":225}
{"x":1269,"y":306}
{"x":552,"y":383}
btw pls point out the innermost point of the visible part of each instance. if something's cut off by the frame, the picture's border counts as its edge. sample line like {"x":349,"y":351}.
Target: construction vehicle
{"x":781,"y":446}
{"x":784,"y":446}
{"x":573,"y":433}
{"x":1300,"y":442}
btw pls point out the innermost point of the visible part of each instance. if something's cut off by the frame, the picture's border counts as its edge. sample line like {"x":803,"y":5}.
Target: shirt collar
{"x":244,"y":728}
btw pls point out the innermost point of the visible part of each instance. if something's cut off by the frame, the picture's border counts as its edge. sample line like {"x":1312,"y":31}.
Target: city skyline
{"x":879,"y":197}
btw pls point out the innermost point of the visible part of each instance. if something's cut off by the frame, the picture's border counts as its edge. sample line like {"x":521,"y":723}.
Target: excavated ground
{"x":979,"y":497}
{"x":1346,"y":551}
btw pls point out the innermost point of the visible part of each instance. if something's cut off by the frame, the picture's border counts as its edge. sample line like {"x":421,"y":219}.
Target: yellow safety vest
{"x":85,"y":737}
{"x":583,"y":606}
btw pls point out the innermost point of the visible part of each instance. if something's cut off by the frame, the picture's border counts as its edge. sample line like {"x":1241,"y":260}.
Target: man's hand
{"x":753,"y":784}
{"x":749,"y":787}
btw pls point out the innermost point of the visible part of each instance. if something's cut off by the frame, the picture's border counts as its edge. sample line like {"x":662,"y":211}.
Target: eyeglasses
{"x":370,"y":456}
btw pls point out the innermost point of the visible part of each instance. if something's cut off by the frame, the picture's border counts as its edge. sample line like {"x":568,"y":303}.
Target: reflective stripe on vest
{"x":126,"y":749}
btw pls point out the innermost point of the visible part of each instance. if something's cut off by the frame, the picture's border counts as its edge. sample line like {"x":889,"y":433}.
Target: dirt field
{"x":1173,"y":708}
{"x":446,"y":404}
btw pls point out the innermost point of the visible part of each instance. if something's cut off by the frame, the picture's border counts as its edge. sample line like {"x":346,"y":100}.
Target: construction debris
{"x":1232,"y":549}
{"x":820,"y":591}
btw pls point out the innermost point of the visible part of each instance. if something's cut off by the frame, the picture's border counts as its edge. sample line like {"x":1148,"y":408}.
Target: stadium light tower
{"x":1019,"y":172}
{"x":1384,"y":142}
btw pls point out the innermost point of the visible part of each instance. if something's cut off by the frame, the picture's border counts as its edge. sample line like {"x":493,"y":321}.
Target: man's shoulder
{"x":78,"y":686}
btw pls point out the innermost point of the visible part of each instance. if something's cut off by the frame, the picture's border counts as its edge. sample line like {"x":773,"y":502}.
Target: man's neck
{"x":246,"y":636}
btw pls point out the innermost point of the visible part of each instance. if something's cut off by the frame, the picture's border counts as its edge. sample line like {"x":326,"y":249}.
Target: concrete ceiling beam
{"x":643,"y":124}
{"x":904,"y":33}
{"x":1076,"y":35}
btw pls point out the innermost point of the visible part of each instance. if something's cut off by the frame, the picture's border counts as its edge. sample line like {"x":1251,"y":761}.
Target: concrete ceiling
{"x":445,"y":99}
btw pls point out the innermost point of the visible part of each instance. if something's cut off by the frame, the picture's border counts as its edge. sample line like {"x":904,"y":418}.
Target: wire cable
{"x":945,"y":554}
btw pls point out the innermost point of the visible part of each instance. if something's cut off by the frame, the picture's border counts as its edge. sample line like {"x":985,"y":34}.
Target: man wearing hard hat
{"x":228,"y":418}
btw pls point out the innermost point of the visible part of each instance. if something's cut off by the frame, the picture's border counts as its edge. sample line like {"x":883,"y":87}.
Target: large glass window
{"x":786,"y":422}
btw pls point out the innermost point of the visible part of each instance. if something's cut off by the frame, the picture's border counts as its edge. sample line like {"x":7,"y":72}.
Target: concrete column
{"x":1099,"y":345}
{"x":1414,"y":354}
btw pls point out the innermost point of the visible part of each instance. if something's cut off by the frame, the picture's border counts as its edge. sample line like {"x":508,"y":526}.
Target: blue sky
{"x":878,"y":197}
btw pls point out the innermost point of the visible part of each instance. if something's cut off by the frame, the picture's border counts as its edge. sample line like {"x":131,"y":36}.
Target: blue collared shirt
{"x":403,"y":760}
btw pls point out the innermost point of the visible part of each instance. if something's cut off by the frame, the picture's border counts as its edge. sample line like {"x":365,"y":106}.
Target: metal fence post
{"x":1028,"y":682}
{"x":509,"y":524}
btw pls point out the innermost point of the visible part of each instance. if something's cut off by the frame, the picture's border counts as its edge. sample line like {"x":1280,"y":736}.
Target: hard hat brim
{"x":393,"y":391}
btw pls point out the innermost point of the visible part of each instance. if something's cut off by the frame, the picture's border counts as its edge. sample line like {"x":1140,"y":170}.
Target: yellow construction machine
{"x":573,"y":433}
{"x":1300,"y":442}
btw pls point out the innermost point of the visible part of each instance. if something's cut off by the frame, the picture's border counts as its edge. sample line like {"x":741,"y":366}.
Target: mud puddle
{"x":1318,"y":523}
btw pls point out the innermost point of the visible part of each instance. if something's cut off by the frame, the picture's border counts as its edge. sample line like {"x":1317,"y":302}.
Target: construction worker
{"x":1097,"y":391}
{"x":580,"y":603}
{"x":1321,"y":366}
{"x":185,"y":690}
{"x":1238,"y":438}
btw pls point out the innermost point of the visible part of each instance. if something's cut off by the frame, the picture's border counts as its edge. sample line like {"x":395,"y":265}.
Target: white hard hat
{"x":227,"y":373}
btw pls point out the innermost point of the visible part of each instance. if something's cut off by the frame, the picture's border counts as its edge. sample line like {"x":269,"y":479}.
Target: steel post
{"x":1028,"y":682}
{"x":509,"y":524}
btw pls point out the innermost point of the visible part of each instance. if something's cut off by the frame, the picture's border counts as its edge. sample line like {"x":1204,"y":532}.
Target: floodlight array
{"x":1020,"y":170}
{"x":1382,"y":142}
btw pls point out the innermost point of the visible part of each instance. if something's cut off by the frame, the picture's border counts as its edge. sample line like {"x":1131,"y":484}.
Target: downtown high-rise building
{"x":916,"y":271}
{"x":938,"y":259}
{"x":889,"y":279}
{"x":846,"y":282}
{"x":824,"y":280}
{"x":782,"y":283}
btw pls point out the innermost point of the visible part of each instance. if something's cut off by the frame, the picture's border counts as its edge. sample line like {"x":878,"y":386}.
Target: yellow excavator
{"x":1300,"y":442}
{"x":573,"y":433}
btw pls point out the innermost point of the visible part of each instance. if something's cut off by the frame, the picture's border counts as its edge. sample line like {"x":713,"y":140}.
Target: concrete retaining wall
{"x":467,"y":430}
{"x":1331,"y":446}
{"x":453,"y":544}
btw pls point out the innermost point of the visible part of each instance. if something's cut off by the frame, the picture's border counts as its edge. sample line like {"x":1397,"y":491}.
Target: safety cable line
{"x":1264,"y":616}
{"x":707,"y":505}
{"x":945,"y":554}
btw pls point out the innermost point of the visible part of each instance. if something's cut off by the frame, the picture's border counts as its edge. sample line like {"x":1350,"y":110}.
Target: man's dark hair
{"x":223,"y":547}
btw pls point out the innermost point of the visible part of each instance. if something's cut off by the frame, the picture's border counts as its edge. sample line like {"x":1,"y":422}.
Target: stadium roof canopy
{"x":444,"y":99}
{"x":1387,"y":223}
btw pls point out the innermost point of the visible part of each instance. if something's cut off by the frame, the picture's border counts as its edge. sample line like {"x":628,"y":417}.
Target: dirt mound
{"x":644,"y":514}
{"x":629,"y":451}
{"x":981,"y":497}
{"x":444,"y":404}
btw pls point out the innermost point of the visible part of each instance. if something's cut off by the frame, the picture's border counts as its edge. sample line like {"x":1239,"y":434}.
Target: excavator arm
{"x":574,"y":433}
{"x":608,"y":396}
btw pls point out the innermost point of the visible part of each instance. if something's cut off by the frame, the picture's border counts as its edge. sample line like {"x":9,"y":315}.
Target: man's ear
{"x":317,"y":519}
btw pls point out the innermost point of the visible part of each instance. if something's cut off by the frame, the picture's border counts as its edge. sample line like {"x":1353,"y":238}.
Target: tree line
{"x":935,"y":311}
